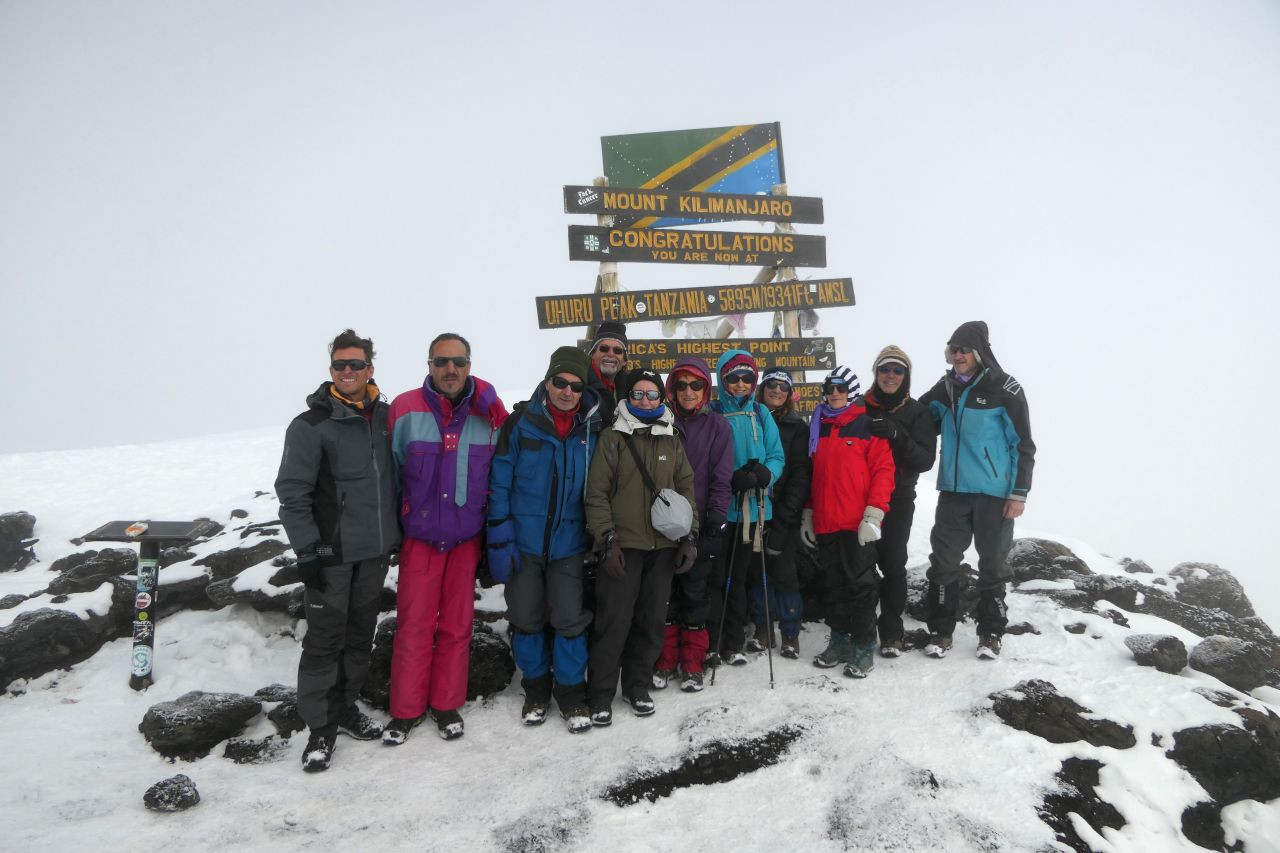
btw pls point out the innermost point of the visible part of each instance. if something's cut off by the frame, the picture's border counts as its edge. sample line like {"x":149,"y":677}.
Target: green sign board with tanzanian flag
{"x":744,"y":159}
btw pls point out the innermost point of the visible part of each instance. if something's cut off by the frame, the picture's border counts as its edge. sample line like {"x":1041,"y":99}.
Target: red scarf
{"x":562,"y":421}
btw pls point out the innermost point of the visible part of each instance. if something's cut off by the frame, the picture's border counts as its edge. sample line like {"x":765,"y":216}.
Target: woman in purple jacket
{"x":708,"y":443}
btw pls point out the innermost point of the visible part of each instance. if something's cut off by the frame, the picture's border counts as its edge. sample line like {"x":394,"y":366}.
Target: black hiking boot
{"x":319,"y":752}
{"x":448,"y":723}
{"x":356,"y":724}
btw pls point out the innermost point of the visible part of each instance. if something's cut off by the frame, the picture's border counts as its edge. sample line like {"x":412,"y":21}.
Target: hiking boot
{"x":939,"y":645}
{"x":534,"y":712}
{"x":640,"y":703}
{"x":711,"y":661}
{"x":577,"y":718}
{"x":839,"y":648}
{"x":602,"y":716}
{"x":356,"y":724}
{"x":397,"y":731}
{"x":692,"y":682}
{"x":319,"y":752}
{"x":661,"y":677}
{"x":763,"y":639}
{"x":890,"y":648}
{"x":791,"y":646}
{"x":988,"y":647}
{"x":735,"y":658}
{"x":448,"y":724}
{"x":861,"y":661}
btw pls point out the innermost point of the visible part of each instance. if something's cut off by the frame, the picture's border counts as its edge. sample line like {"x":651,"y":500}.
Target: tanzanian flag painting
{"x":746,"y":158}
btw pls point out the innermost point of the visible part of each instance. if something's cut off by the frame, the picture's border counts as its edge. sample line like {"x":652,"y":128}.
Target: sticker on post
{"x":142,"y":601}
{"x":143,"y":631}
{"x":136,"y":529}
{"x":141,"y":660}
{"x":146,"y":577}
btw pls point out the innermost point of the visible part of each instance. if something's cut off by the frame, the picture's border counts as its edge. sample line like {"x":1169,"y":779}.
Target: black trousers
{"x":335,"y":650}
{"x":850,"y":585}
{"x":732,"y":602}
{"x":690,"y":604}
{"x":627,"y":632}
{"x":891,"y":557}
{"x":961,"y":519}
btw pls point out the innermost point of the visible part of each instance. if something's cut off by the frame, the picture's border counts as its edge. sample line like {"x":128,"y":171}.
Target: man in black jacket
{"x":608,"y":354}
{"x":909,"y":428}
{"x":337,"y":493}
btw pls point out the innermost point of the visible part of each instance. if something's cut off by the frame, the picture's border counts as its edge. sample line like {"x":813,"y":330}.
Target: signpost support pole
{"x":790,"y":319}
{"x":144,"y":614}
{"x":607,"y":278}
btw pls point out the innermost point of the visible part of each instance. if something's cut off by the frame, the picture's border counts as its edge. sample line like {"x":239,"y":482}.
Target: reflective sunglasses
{"x":832,"y":387}
{"x":961,"y":350}
{"x":340,"y":364}
{"x":743,"y":376}
{"x":646,"y":395}
{"x":572,"y":384}
{"x":895,"y":369}
{"x":611,"y":350}
{"x":695,"y":384}
{"x":775,"y":385}
{"x":458,"y":361}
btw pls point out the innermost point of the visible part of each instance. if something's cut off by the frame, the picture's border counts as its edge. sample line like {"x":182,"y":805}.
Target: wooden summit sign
{"x":633,"y":306}
{"x":661,"y":354}
{"x":706,"y":207}
{"x":671,"y":246}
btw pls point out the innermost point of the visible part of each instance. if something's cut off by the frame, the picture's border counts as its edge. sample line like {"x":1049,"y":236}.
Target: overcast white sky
{"x":195,"y":197}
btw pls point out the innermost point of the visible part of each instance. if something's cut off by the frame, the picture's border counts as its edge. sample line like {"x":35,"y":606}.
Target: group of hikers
{"x":645,"y":531}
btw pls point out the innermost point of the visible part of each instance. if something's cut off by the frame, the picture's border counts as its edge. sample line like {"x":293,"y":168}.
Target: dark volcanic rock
{"x":239,"y":513}
{"x":1209,"y":585}
{"x":1231,"y":763}
{"x":276,"y":693}
{"x":490,"y":669}
{"x":1165,"y":653}
{"x":1037,"y":707}
{"x":223,"y":594}
{"x":86,"y":571}
{"x":16,"y":542}
{"x":176,"y":554}
{"x":1135,"y":567}
{"x":249,"y":751}
{"x":229,"y":563}
{"x":42,"y":640}
{"x":191,"y":725}
{"x":1018,"y":628}
{"x":1075,"y":628}
{"x":286,"y":719}
{"x":171,"y":795}
{"x":1077,"y":782}
{"x":261,"y":528}
{"x":11,"y":600}
{"x":186,"y":594}
{"x":1043,"y":559}
{"x":1239,"y":663}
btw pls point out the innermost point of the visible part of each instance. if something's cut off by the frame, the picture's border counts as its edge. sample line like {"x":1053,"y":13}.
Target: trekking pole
{"x":724,"y":606}
{"x":764,"y":582}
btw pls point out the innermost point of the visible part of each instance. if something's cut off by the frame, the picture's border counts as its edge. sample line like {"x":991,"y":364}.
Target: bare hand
{"x":1013,"y":509}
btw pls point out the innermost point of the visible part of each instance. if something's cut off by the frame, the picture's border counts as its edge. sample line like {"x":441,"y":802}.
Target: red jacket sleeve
{"x":880,"y":470}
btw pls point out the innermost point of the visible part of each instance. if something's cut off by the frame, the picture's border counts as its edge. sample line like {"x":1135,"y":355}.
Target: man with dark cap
{"x":608,"y":360}
{"x":983,"y":480}
{"x":537,"y":535}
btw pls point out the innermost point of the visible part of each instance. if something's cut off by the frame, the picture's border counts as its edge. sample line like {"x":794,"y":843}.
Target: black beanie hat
{"x":631,"y":377}
{"x":569,"y":360}
{"x":610,"y":329}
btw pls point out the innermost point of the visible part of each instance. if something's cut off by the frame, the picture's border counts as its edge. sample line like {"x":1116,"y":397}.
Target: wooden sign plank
{"x":681,"y":246}
{"x":661,"y":354}
{"x":634,"y":306}
{"x":706,"y":207}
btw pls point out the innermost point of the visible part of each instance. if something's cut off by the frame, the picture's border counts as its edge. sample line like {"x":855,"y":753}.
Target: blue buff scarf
{"x":647,"y":416}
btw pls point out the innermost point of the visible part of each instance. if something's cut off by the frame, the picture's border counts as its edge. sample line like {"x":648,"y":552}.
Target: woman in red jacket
{"x":852,"y":482}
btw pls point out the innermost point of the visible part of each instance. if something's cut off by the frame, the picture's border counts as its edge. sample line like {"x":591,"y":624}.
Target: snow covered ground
{"x":909,"y":759}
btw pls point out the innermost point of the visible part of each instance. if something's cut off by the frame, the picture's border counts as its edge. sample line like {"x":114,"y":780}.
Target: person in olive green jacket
{"x":633,"y":580}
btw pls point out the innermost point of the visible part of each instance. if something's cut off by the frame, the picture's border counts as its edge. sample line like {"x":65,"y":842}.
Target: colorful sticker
{"x":141,"y":660}
{"x":142,"y":601}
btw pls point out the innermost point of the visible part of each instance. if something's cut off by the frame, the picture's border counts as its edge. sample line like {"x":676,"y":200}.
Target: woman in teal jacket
{"x":758,"y":458}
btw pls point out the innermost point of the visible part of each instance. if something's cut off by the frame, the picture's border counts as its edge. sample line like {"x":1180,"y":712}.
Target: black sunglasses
{"x":695,"y":384}
{"x":646,"y":395}
{"x":895,"y":369}
{"x":740,"y":376}
{"x":340,"y":364}
{"x":458,"y":361}
{"x":961,"y":350}
{"x":605,"y":348}
{"x":830,"y":387}
{"x":775,"y":385}
{"x":573,"y":385}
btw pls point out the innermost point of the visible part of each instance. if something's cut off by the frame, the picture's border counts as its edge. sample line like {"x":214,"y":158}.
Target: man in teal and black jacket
{"x":984,"y":476}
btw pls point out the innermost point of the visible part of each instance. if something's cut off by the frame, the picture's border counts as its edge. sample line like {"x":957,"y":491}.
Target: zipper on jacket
{"x":554,"y":493}
{"x":989,"y":462}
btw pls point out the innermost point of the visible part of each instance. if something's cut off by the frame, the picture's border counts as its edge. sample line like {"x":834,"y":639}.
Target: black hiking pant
{"x":627,"y":632}
{"x":850,"y":585}
{"x":690,"y":604}
{"x":732,"y":602}
{"x":335,"y":650}
{"x":961,"y":519}
{"x":891,"y":557}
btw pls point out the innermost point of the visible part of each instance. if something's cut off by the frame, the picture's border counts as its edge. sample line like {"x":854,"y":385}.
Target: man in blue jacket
{"x":758,"y":459}
{"x":983,"y":479}
{"x":537,"y":535}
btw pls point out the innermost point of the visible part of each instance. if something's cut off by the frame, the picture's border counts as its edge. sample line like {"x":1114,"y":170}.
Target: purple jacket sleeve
{"x":721,"y":453}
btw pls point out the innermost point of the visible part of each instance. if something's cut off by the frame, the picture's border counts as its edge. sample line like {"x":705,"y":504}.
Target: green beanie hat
{"x":569,"y":360}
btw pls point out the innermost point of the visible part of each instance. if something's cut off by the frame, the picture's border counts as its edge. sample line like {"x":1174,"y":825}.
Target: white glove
{"x":869,"y":529}
{"x":806,"y":529}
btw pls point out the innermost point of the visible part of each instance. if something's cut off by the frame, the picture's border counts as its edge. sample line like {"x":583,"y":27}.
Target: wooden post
{"x":790,"y":319}
{"x":607,"y":277}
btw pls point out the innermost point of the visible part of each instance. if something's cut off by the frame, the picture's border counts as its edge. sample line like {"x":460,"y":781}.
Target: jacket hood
{"x":696,"y":366}
{"x":973,"y":334}
{"x":322,"y":397}
{"x":624,"y":421}
{"x":891,"y":353}
{"x":727,"y":360}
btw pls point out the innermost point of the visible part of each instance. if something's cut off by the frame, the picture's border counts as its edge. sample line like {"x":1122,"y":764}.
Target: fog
{"x":196,"y":197}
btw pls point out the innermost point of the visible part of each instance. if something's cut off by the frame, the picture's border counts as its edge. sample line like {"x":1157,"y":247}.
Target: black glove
{"x":711,"y":536}
{"x":686,"y":553}
{"x":777,"y":538}
{"x":611,"y":556}
{"x":763,"y":474}
{"x":744,"y":479}
{"x":312,"y":559}
{"x":884,"y":428}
